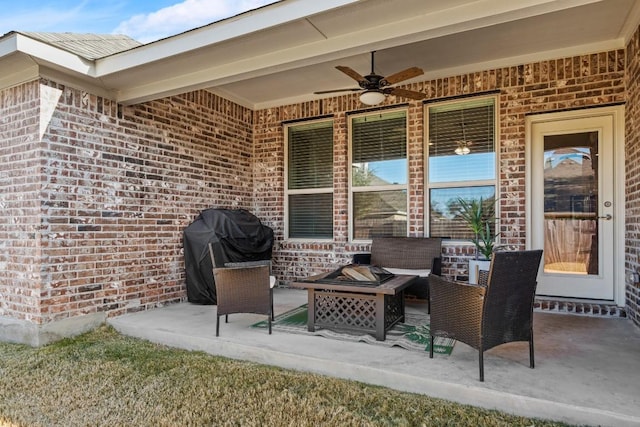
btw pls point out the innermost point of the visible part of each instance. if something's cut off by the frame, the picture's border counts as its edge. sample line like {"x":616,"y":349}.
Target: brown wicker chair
{"x":243,"y":288}
{"x":487,"y":315}
{"x":406,"y":253}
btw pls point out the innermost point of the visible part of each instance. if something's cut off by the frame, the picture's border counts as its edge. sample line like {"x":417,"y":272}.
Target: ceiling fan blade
{"x":405,"y":93}
{"x":351,"y":89}
{"x":351,"y":73}
{"x":403,"y":75}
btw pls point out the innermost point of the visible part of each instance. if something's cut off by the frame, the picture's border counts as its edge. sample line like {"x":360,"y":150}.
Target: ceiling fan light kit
{"x":377,"y":87}
{"x":372,"y":97}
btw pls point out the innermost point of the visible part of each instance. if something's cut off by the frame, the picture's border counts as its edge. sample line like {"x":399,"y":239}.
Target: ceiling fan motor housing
{"x":373,"y":82}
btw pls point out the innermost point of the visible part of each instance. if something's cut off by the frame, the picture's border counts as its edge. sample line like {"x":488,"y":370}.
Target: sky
{"x":143,"y":20}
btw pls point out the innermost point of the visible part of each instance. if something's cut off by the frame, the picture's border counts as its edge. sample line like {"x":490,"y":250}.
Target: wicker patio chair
{"x":419,"y":256}
{"x":243,"y":288}
{"x":491,"y":313}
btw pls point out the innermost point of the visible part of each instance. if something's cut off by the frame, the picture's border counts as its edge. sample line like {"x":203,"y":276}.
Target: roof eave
{"x":45,"y":54}
{"x":240,"y":25}
{"x":24,"y":59}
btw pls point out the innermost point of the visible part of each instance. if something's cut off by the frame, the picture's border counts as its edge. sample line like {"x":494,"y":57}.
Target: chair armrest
{"x":248,"y":263}
{"x":245,"y":264}
{"x":363,"y":258}
{"x":448,"y":290}
{"x":483,"y":278}
{"x":456,"y":309}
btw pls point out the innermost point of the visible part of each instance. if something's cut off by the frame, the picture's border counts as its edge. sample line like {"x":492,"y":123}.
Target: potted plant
{"x":479,"y":215}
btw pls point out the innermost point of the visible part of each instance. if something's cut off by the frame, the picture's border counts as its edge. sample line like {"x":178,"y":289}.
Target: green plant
{"x":479,"y":215}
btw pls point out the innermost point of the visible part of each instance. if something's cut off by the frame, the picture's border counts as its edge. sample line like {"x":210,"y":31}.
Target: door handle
{"x":608,"y":217}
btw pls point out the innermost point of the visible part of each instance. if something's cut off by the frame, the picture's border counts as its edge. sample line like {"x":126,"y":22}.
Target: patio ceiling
{"x":283,"y":52}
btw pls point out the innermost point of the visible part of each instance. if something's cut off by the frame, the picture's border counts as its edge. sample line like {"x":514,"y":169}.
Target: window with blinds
{"x":379,"y":171}
{"x":309,"y":198}
{"x":461,"y":150}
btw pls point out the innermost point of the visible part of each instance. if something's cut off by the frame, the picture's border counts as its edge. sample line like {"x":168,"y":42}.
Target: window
{"x":461,"y":161}
{"x":379,"y":170}
{"x":309,"y":194}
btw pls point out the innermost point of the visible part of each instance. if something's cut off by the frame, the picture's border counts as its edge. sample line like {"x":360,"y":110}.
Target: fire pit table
{"x":355,"y":305}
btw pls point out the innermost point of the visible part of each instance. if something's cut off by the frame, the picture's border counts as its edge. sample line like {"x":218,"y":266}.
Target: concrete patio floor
{"x":587,"y":368}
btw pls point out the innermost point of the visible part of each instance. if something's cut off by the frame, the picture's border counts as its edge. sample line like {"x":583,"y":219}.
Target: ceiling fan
{"x":376,"y":87}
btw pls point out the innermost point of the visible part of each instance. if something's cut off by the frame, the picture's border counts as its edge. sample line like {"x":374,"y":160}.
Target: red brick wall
{"x":94,"y":208}
{"x":20,"y":222}
{"x":632,"y":156}
{"x":552,"y":85}
{"x":103,"y":232}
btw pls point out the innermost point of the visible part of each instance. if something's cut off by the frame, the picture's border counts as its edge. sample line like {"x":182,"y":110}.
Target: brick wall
{"x":632,"y":156}
{"x":560,"y":84}
{"x":95,"y":196}
{"x":100,"y":228}
{"x":20,"y":154}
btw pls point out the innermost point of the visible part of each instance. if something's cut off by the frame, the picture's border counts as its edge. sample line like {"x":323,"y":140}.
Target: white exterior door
{"x":573,"y":203}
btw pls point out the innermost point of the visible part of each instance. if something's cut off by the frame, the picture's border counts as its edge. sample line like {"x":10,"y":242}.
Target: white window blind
{"x":310,"y":180}
{"x":379,"y":171}
{"x":461,"y":161}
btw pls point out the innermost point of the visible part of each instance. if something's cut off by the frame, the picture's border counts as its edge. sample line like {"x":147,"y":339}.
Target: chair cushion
{"x":410,"y":271}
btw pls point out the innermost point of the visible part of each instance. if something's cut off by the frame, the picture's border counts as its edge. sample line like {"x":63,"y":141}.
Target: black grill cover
{"x":236,"y":236}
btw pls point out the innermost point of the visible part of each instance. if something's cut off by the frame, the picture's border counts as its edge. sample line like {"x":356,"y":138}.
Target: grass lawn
{"x":105,"y":379}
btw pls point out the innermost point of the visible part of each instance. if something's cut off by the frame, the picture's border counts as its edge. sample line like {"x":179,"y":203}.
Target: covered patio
{"x":585,"y":370}
{"x":110,"y":148}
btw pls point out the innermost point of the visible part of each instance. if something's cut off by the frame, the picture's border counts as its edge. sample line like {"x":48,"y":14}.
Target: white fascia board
{"x":241,"y":25}
{"x":44,"y":53}
{"x":8,"y":45}
{"x":26,"y":59}
{"x":632,"y":22}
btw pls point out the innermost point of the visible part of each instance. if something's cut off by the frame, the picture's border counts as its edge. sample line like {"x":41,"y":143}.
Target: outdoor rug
{"x":411,"y":335}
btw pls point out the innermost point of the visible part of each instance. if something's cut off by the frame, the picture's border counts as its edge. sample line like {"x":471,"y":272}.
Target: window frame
{"x":370,"y":189}
{"x":428,"y":186}
{"x":307,"y":191}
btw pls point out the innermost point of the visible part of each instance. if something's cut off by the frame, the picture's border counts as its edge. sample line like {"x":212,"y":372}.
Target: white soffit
{"x":343,"y":35}
{"x":17,"y":69}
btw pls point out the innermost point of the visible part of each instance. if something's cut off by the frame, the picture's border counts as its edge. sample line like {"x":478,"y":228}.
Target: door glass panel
{"x":571,"y":203}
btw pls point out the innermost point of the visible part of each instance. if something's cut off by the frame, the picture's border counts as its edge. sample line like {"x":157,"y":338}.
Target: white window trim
{"x":480,"y":183}
{"x":351,"y":189}
{"x":287,"y":192}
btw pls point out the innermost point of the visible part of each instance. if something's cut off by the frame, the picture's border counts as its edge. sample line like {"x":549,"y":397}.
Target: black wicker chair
{"x":495,"y":312}
{"x":243,"y":288}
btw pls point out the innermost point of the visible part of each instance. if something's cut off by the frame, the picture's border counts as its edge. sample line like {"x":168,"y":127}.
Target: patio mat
{"x":411,"y":335}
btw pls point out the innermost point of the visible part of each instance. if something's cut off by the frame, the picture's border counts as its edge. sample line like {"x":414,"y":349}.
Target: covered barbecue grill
{"x":236,"y":236}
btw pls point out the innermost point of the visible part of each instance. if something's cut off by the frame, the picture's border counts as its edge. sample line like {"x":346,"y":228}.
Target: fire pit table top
{"x":353,"y":274}
{"x":390,"y":285}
